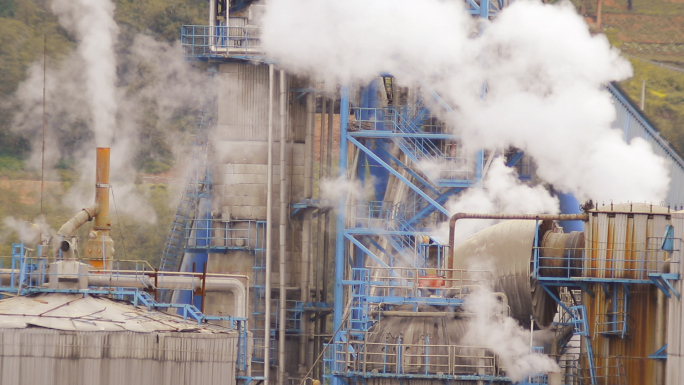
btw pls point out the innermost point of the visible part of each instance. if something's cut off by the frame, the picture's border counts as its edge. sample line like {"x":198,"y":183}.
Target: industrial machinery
{"x":399,"y":296}
{"x":345,"y":287}
{"x":90,"y":319}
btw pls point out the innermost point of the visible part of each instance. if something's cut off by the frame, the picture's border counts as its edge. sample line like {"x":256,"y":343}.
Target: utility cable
{"x":123,"y":240}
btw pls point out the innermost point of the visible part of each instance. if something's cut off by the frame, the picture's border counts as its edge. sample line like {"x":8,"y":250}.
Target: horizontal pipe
{"x":539,"y":217}
{"x":146,"y":281}
{"x":143,"y":281}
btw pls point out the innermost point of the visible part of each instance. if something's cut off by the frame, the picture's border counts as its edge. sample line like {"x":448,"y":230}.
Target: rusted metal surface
{"x":635,"y":347}
{"x":99,"y":248}
{"x":102,"y":221}
{"x":561,"y":254}
{"x":675,"y":315}
{"x":625,"y":243}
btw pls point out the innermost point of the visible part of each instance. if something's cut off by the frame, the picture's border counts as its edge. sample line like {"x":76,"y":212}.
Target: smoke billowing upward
{"x":93,"y":24}
{"x":501,"y":192}
{"x":542,"y":68}
{"x":98,"y":96}
{"x":504,"y":336}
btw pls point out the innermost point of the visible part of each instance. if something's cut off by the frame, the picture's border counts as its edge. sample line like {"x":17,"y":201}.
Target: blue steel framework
{"x":372,"y":133}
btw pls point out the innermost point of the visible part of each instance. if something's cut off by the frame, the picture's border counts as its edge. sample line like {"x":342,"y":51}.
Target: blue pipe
{"x":198,"y":260}
{"x":570,"y":205}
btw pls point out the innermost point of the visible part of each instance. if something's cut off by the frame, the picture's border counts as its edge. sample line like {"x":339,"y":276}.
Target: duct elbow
{"x":85,"y":215}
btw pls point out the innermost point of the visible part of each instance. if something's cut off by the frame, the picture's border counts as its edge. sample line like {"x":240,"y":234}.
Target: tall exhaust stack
{"x":99,"y":248}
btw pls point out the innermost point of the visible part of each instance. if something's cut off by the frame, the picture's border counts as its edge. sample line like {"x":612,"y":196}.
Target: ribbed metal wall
{"x":624,"y":244}
{"x":635,"y":126}
{"x":675,"y":322}
{"x":243,"y":104}
{"x":38,"y":356}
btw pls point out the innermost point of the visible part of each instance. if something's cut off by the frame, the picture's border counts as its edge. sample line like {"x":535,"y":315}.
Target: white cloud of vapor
{"x":89,"y":103}
{"x":542,"y":67}
{"x":501,"y":192}
{"x":503,"y":335}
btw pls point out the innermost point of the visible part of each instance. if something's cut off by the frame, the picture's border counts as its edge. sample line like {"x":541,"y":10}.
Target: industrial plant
{"x":314,"y":243}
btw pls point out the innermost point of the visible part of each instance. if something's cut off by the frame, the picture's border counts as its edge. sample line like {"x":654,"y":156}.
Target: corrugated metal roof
{"x":88,"y":313}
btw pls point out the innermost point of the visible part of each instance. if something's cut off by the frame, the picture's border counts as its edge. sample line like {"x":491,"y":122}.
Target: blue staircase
{"x":581,"y":328}
{"x":187,"y":209}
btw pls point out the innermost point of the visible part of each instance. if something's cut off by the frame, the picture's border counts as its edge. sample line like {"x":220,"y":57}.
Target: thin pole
{"x":282,"y":235}
{"x":42,"y":161}
{"x":269,"y":232}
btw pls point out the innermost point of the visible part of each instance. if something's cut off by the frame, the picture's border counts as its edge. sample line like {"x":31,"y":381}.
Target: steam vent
{"x":378,"y":231}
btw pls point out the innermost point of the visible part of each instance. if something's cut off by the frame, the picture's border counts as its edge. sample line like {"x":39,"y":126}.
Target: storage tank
{"x":74,"y":339}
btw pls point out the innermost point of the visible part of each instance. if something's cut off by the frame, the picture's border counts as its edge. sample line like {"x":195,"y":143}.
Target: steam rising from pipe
{"x":98,"y":96}
{"x":93,"y":23}
{"x":542,"y":69}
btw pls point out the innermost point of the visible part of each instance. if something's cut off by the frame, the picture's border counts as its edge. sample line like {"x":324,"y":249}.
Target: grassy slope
{"x":24,"y":24}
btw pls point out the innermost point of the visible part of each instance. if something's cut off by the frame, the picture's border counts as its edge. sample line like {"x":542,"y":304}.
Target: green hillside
{"x":27,"y":26}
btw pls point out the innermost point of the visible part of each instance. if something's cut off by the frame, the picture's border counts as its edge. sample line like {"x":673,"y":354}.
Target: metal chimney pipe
{"x":99,"y":249}
{"x":102,"y":221}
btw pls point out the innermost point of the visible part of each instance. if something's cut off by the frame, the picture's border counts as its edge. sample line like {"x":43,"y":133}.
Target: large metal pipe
{"x":339,"y":234}
{"x":306,"y":231}
{"x":539,"y":217}
{"x":85,"y":215}
{"x":212,"y":16}
{"x":282,"y":234}
{"x":269,"y":232}
{"x":144,"y":281}
{"x":99,"y":248}
{"x":102,"y":221}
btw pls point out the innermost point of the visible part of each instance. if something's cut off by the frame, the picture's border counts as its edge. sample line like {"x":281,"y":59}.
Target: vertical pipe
{"x":322,"y":227}
{"x":306,"y":230}
{"x":269,"y":232}
{"x":102,"y":221}
{"x":339,"y":238}
{"x":212,"y":15}
{"x":282,"y":236}
{"x":330,"y":110}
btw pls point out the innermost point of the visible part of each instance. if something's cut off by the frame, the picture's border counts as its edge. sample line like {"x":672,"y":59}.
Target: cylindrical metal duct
{"x":507,"y":250}
{"x":99,"y":248}
{"x":561,"y":254}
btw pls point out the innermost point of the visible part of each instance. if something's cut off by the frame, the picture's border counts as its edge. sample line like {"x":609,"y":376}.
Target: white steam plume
{"x":332,"y":190}
{"x":501,"y":192}
{"x":543,"y":70}
{"x":93,"y":23}
{"x":89,"y":103}
{"x":504,"y":336}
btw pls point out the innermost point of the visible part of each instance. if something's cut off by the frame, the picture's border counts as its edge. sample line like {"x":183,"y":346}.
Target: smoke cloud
{"x":503,"y":335}
{"x":93,"y":23}
{"x":107,"y":94}
{"x":501,"y":192}
{"x":542,"y":69}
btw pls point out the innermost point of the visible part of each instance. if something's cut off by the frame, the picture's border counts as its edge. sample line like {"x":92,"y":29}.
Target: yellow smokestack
{"x":99,"y":248}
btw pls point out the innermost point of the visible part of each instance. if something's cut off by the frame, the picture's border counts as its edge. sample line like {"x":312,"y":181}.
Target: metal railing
{"x":629,"y":262}
{"x":203,"y":41}
{"x":222,"y":234}
{"x":397,"y":358}
{"x":609,"y":371}
{"x":389,"y":281}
